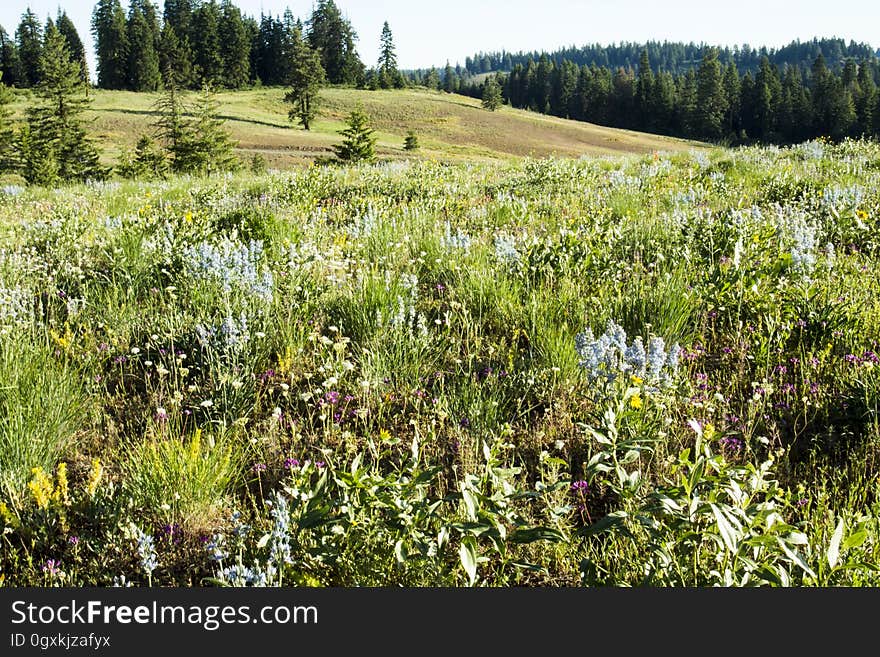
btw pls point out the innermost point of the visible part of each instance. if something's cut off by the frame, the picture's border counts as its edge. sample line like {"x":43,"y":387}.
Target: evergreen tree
{"x":866,"y":100}
{"x":411,"y":143}
{"x":211,"y":148}
{"x":450,"y":81}
{"x":359,"y":143}
{"x":178,"y":15}
{"x":432,"y":79}
{"x":492,"y":99}
{"x":111,"y":44}
{"x":645,"y":99}
{"x":36,"y":159}
{"x":7,"y":153}
{"x":173,"y":126}
{"x":56,"y":125}
{"x":388,"y":75}
{"x":74,"y":43}
{"x":333,"y":37}
{"x":206,"y":43}
{"x":29,"y":40}
{"x":711,"y":104}
{"x":732,"y":93}
{"x":305,"y":81}
{"x":143,"y":59}
{"x":148,"y":161}
{"x":235,"y":47}
{"x":10,"y":64}
{"x":174,"y":57}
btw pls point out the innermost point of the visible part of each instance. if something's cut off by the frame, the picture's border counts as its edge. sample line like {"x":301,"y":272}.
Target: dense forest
{"x":801,"y":91}
{"x":678,"y":57}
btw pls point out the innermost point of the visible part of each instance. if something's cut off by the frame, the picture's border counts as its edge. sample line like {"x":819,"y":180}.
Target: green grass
{"x":449,"y":127}
{"x":396,"y":365}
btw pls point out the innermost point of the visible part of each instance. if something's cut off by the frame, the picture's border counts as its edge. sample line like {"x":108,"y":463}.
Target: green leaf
{"x":470,"y":503}
{"x":468,"y":555}
{"x":610,"y":521}
{"x":834,"y":546}
{"x":534,"y":534}
{"x":795,"y":557}
{"x":855,"y":539}
{"x":725,"y":529}
{"x":400,"y":551}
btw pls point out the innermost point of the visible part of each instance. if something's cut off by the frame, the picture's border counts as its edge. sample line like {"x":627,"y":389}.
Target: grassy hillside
{"x":448,"y":126}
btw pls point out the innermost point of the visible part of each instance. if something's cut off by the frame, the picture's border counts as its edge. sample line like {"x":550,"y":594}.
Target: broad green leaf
{"x":533,"y":534}
{"x":726,"y":530}
{"x":855,"y":539}
{"x":834,"y":546}
{"x":468,"y":555}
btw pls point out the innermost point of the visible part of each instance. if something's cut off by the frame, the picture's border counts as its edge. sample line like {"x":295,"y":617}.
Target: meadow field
{"x":449,"y":127}
{"x":653,"y":369}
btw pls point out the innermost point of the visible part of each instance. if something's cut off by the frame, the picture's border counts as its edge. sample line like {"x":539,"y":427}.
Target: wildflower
{"x":94,"y":480}
{"x":636,"y":401}
{"x":291,"y":463}
{"x":41,"y":488}
{"x":216,"y":548}
{"x":580,"y":486}
{"x":53,"y":568}
{"x":146,"y":550}
{"x":62,"y":492}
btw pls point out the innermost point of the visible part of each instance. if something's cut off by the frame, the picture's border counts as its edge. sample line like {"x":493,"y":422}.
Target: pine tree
{"x":432,"y":79}
{"x":492,"y":99}
{"x":206,"y":30}
{"x":74,"y":43}
{"x":10,"y":63}
{"x":143,"y":59}
{"x":333,"y":37}
{"x":359,"y":143}
{"x":147,"y":162}
{"x":29,"y":40}
{"x":732,"y":93}
{"x":866,"y":100}
{"x":210,"y":148}
{"x":174,"y":57}
{"x":645,"y":93}
{"x":450,"y":82}
{"x":111,"y":44}
{"x":388,"y":75}
{"x":177,"y":49}
{"x":7,"y":153}
{"x":411,"y":143}
{"x":173,"y":126}
{"x":56,"y":125}
{"x":711,"y":101}
{"x":305,"y":81}
{"x":235,"y":47}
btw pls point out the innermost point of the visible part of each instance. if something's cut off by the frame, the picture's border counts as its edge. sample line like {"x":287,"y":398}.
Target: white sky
{"x":429,"y":33}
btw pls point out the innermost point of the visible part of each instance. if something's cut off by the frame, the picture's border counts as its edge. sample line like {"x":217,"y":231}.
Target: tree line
{"x":677,"y":57}
{"x":712,"y":101}
{"x":203,"y":42}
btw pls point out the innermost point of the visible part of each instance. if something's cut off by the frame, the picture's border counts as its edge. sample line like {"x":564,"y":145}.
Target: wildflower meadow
{"x":658,"y":370}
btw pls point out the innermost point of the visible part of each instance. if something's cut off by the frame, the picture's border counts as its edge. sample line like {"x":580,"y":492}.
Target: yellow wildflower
{"x":636,"y":401}
{"x":7,"y":516}
{"x":95,"y":474}
{"x":637,"y":380}
{"x":41,"y":488}
{"x":709,"y":431}
{"x":62,"y":491}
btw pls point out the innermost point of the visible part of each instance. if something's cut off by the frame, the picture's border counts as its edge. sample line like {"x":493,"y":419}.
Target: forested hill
{"x":674,"y":57}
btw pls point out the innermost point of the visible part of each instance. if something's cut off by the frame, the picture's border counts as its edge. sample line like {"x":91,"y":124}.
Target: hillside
{"x":448,"y":126}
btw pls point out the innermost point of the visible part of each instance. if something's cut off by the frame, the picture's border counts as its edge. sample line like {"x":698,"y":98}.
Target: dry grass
{"x":448,"y":126}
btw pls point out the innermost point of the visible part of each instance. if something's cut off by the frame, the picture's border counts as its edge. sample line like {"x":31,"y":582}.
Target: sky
{"x":430,"y":33}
